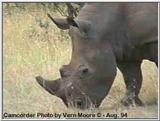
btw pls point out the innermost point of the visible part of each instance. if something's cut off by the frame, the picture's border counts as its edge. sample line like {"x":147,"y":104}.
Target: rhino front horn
{"x":51,"y":86}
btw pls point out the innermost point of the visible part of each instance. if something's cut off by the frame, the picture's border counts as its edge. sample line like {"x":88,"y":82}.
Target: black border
{"x":73,"y":118}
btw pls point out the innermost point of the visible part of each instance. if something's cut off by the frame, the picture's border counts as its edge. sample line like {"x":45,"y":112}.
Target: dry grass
{"x":31,"y":50}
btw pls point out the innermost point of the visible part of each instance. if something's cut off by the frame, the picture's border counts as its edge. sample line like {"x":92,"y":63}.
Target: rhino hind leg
{"x":133,"y":80}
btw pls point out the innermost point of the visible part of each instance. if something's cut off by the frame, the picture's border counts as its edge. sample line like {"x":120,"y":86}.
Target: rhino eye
{"x":85,"y":70}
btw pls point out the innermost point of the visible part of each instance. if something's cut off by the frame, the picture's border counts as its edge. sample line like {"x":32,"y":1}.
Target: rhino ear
{"x":63,"y":23}
{"x":51,"y":86}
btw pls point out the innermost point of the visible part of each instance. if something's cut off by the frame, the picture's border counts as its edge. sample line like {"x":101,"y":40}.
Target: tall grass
{"x":33,"y":45}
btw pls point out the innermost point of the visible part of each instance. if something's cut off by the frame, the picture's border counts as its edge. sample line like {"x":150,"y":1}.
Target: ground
{"x":32,"y":45}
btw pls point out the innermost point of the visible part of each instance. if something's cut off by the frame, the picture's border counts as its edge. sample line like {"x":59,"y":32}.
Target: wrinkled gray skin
{"x":104,"y":36}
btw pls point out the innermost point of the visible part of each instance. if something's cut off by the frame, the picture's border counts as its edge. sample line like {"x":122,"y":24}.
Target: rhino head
{"x":87,"y":79}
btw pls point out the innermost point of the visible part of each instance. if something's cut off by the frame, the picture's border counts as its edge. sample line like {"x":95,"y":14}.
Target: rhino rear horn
{"x":51,"y":86}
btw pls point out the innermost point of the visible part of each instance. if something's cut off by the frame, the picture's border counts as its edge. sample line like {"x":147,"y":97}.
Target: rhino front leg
{"x":133,"y":79}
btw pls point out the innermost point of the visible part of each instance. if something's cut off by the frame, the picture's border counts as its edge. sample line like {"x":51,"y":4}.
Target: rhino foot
{"x":131,"y":101}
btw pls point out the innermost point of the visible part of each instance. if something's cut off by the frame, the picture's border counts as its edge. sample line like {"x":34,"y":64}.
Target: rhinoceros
{"x":105,"y":36}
